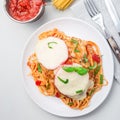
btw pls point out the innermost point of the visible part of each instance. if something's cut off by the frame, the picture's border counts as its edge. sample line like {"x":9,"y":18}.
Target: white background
{"x":15,"y":104}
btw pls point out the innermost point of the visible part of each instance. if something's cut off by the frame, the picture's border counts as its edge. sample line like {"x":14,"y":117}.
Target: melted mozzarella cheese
{"x":51,"y":52}
{"x":76,"y":82}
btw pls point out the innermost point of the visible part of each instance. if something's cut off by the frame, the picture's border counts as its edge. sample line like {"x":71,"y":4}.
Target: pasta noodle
{"x":62,"y":4}
{"x":86,"y":50}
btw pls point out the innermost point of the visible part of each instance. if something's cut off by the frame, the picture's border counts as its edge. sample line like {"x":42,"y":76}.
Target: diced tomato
{"x":57,"y":95}
{"x":38,"y":2}
{"x":96,"y":58}
{"x":38,"y":82}
{"x":24,"y":9}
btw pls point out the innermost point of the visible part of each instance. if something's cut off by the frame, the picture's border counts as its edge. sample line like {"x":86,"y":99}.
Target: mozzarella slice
{"x":76,"y":82}
{"x":51,"y":52}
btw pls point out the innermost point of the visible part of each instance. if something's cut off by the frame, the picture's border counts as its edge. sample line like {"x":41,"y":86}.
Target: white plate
{"x":80,"y":29}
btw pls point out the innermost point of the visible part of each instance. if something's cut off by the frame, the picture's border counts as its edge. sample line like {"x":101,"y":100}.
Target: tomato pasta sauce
{"x":24,"y":10}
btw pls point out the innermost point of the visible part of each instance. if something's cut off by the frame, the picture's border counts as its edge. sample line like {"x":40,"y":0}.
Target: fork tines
{"x":91,"y":7}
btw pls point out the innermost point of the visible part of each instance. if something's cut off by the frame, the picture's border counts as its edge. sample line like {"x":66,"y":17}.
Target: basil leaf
{"x":68,"y":69}
{"x":50,"y":44}
{"x":81,"y":70}
{"x":39,"y":68}
{"x":97,"y":69}
{"x":79,"y":91}
{"x":74,"y":41}
{"x":70,"y":103}
{"x":62,"y":80}
{"x":76,"y":50}
{"x":101,"y":78}
{"x":48,"y":86}
{"x":93,"y":67}
{"x":85,"y":59}
{"x":91,"y":92}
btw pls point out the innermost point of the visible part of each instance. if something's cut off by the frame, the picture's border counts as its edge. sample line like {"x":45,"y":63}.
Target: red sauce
{"x":24,"y":10}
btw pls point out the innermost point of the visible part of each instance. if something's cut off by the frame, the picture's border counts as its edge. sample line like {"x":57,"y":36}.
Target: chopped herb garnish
{"x":97,"y":69}
{"x":39,"y":68}
{"x":62,"y":80}
{"x":50,"y":44}
{"x":101,"y":78}
{"x":76,"y":45}
{"x":91,"y":92}
{"x":68,"y":69}
{"x":85,"y":59}
{"x":79,"y":91}
{"x":70,"y":103}
{"x":93,"y":67}
{"x":76,"y":50}
{"x":74,"y":41}
{"x":48,"y":86}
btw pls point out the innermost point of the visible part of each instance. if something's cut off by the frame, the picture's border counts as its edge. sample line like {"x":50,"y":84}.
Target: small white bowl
{"x":38,"y":15}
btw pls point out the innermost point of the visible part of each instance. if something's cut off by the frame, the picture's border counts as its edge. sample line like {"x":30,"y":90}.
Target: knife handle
{"x":115,"y":47}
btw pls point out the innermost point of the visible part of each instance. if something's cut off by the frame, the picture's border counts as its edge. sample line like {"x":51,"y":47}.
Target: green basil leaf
{"x":50,"y":44}
{"x":76,"y":50}
{"x":81,"y":70}
{"x":85,"y":59}
{"x":39,"y":68}
{"x":68,"y":69}
{"x":93,"y":67}
{"x":101,"y":78}
{"x":70,"y":103}
{"x":97,"y":69}
{"x":91,"y":92}
{"x":79,"y":91}
{"x":62,"y":80}
{"x":48,"y":86}
{"x":74,"y":41}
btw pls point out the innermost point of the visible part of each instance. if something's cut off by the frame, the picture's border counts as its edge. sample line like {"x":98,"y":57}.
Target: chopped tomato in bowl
{"x":24,"y":10}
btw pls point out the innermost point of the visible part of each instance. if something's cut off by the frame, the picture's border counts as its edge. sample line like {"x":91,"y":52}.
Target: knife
{"x":116,"y":21}
{"x":113,"y":14}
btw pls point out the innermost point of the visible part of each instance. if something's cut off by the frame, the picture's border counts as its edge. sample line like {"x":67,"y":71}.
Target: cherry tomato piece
{"x":38,"y":82}
{"x":57,"y":95}
{"x":96,"y":58}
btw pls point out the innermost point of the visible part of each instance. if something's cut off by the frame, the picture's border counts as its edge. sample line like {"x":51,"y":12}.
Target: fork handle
{"x":115,"y":47}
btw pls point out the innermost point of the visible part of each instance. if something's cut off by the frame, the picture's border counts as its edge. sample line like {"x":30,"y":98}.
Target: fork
{"x":98,"y":18}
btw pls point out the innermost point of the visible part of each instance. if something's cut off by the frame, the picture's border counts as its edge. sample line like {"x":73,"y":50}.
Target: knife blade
{"x":113,"y":14}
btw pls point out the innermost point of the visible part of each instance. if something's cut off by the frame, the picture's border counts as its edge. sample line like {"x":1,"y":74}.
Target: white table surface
{"x":15,"y":104}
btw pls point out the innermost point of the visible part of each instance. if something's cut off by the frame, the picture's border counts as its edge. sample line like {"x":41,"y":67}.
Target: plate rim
{"x":22,"y":60}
